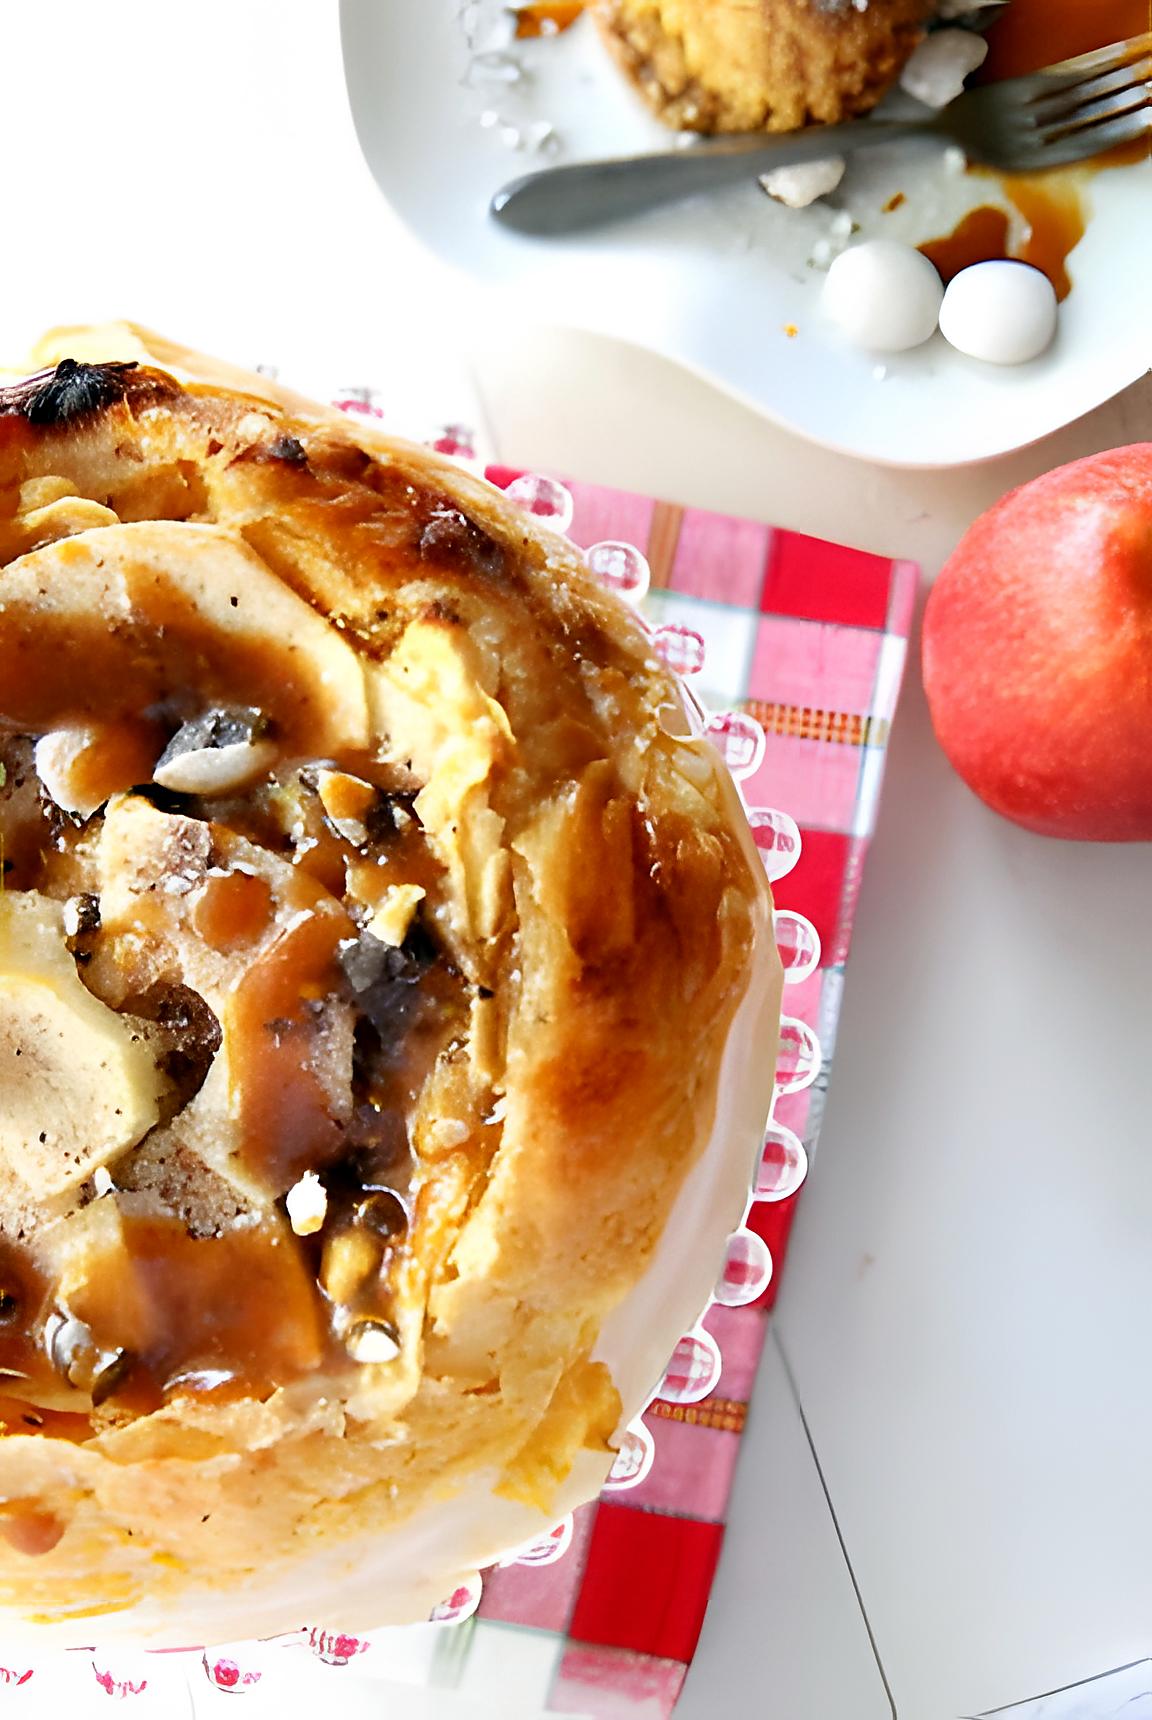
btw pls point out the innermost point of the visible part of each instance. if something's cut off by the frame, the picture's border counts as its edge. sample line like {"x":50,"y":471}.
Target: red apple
{"x":1038,"y":651}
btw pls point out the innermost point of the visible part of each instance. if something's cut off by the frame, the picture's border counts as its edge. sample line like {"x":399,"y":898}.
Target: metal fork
{"x":1064,"y":113}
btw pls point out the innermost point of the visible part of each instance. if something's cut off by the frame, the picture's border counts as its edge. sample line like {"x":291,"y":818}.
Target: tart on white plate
{"x":388,"y":995}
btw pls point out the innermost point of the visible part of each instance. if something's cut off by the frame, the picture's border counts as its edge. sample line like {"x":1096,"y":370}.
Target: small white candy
{"x":1001,"y":312}
{"x":803,"y":183}
{"x":371,"y":1342}
{"x":215,"y":770}
{"x":883,"y":296}
{"x":307,"y":1203}
{"x":936,"y":69}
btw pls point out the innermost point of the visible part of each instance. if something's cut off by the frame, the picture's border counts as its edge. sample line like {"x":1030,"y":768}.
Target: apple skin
{"x":1037,"y":651}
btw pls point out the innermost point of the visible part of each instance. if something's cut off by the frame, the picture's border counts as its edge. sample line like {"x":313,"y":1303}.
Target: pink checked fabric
{"x":798,"y":646}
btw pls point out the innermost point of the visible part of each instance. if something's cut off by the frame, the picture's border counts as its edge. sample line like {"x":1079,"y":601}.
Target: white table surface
{"x":964,"y":1312}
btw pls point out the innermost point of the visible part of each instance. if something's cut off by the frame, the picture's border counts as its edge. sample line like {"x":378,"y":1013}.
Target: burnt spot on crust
{"x":452,"y":541}
{"x":281,"y":451}
{"x":190,"y":1036}
{"x":385,"y":980}
{"x":441,"y":610}
{"x":289,"y":449}
{"x":67,"y":394}
{"x":169,"y":800}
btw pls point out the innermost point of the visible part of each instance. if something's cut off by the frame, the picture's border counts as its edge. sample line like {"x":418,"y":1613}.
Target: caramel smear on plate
{"x":1055,"y":222}
{"x":1054,"y":207}
{"x":547,"y":18}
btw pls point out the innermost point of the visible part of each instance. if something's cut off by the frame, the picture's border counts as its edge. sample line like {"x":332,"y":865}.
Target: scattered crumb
{"x":936,"y":70}
{"x":801,"y":184}
{"x":791,"y":330}
{"x":894,"y":202}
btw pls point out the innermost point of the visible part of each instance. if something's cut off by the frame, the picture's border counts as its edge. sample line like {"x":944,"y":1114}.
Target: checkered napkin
{"x":809,"y":639}
{"x":601,"y":1617}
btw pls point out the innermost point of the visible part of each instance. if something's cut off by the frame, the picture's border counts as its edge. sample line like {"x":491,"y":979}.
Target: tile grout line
{"x":791,"y":1378}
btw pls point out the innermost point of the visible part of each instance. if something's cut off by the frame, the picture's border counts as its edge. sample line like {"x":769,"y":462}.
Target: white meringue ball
{"x":883,"y":295}
{"x":1001,"y":312}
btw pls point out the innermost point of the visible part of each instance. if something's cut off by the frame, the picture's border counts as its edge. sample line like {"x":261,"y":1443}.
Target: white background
{"x":966,"y":1305}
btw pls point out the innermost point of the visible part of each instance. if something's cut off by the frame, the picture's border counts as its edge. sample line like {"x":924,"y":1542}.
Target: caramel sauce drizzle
{"x":979,"y":238}
{"x":1030,"y":34}
{"x":1054,"y":205}
{"x":232,"y":910}
{"x":286,"y":1123}
{"x":547,"y":17}
{"x":244,"y":1311}
{"x":229,"y":1316}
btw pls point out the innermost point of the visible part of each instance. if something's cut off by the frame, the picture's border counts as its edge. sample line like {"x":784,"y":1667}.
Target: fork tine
{"x":1109,"y":107}
{"x":1090,"y":140}
{"x":1083,"y":65}
{"x":1047,"y":108}
{"x":1065,"y":74}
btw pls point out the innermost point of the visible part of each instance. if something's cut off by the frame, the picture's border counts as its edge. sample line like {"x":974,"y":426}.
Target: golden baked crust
{"x":760,"y":65}
{"x":462,"y":944}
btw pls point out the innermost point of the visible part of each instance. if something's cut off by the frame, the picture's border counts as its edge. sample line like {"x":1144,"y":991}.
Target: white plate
{"x":717,"y":283}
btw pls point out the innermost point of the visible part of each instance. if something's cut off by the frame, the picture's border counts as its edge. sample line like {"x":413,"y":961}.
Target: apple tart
{"x":388,"y":997}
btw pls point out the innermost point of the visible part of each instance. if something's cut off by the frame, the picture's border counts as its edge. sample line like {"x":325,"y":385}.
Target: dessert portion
{"x":752,"y":65}
{"x":386,"y":975}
